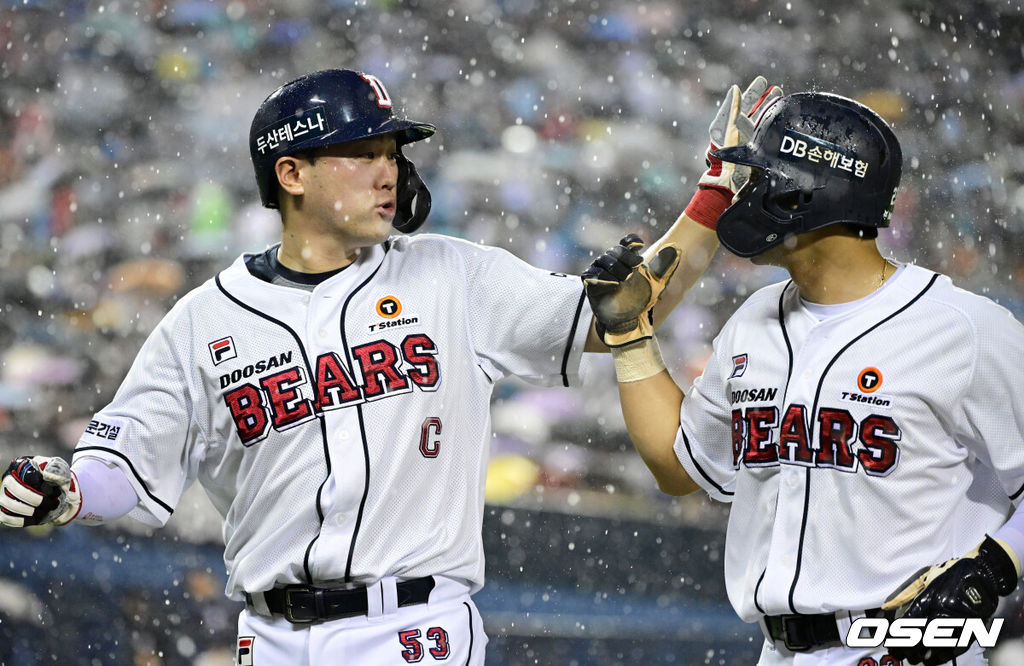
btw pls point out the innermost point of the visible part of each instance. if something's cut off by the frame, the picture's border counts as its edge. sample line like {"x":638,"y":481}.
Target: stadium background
{"x":125,"y":181}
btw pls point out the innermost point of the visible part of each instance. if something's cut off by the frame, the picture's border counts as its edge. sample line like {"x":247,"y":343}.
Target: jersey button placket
{"x":344,"y":441}
{"x":317,"y":320}
{"x":792,"y":481}
{"x":783,"y":550}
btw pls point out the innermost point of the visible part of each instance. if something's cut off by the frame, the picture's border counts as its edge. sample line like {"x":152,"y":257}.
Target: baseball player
{"x":331,"y":395}
{"x":865,"y":418}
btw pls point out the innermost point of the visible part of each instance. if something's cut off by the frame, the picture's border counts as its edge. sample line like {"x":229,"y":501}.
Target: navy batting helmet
{"x":328,"y":107}
{"x":816,"y":159}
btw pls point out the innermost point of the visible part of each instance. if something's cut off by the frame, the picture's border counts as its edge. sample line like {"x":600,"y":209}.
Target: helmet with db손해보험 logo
{"x":816,"y":159}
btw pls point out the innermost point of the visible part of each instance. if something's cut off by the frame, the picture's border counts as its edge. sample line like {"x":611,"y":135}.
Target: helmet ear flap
{"x":793,"y":201}
{"x":412,"y":203}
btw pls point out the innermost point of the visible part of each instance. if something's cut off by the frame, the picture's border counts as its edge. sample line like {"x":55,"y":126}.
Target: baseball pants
{"x":447,"y":629}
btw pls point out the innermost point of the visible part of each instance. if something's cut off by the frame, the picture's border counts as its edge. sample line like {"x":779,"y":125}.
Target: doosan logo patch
{"x":739,"y":365}
{"x":222,"y":350}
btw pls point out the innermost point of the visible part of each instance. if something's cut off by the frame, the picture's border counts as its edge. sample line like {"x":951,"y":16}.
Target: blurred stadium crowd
{"x":125,"y":178}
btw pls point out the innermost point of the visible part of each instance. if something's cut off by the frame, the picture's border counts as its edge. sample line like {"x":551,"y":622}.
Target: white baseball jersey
{"x":341,"y":433}
{"x":857,"y":449}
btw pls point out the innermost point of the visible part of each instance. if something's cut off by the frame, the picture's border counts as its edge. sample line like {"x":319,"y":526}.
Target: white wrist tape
{"x":637,"y":361}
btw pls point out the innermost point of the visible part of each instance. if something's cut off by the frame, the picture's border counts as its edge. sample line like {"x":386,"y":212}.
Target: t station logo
{"x":869,"y":380}
{"x":389,"y":308}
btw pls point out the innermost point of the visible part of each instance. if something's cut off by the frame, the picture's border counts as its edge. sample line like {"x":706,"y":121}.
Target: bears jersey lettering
{"x":842,"y":443}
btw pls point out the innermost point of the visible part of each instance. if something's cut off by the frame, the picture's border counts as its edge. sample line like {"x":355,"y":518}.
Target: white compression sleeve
{"x":106,"y":492}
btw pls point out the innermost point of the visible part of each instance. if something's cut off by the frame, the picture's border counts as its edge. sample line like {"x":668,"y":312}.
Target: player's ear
{"x":289,"y":176}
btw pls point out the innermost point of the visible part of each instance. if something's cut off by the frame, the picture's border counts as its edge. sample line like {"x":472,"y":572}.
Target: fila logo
{"x":739,"y":365}
{"x":869,"y":380}
{"x":222,"y":350}
{"x":245,"y":646}
{"x":389,"y":307}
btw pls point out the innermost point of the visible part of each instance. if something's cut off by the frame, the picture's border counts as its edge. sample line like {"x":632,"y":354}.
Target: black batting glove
{"x":967,"y":587}
{"x":614,"y":266}
{"x":623,"y":290}
{"x":617,"y":262}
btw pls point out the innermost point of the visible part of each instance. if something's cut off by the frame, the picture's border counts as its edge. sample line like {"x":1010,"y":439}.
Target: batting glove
{"x":623,"y":290}
{"x":733,"y":125}
{"x":965,"y":587}
{"x":39,"y":491}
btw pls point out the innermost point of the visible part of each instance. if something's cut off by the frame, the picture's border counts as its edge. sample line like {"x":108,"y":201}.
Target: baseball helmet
{"x":816,"y":159}
{"x":334,"y":106}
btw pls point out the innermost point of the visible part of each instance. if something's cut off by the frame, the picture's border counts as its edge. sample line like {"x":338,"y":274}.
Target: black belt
{"x":803,"y":633}
{"x":302,"y":604}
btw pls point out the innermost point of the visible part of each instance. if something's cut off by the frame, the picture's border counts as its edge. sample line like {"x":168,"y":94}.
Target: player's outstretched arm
{"x":693,"y":233}
{"x":622,"y":290}
{"x":732,"y":125}
{"x":37,"y":490}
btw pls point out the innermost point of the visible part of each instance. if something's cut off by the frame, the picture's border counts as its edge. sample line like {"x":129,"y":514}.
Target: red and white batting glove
{"x":39,"y":491}
{"x":733,"y":125}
